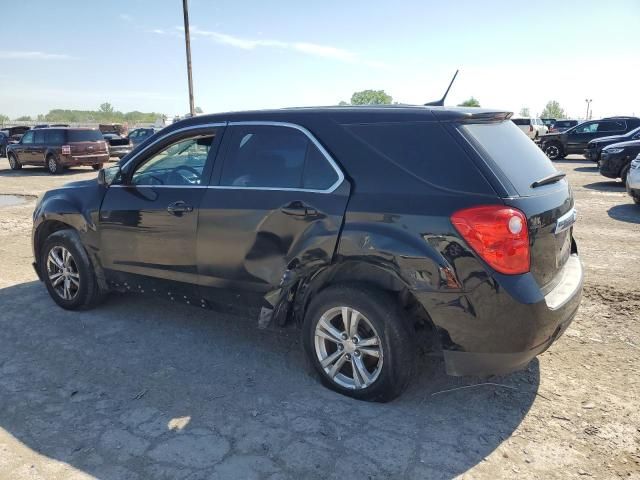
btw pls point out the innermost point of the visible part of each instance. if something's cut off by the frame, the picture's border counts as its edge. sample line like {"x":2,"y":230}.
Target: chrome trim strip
{"x":566,"y":220}
{"x":173,"y":132}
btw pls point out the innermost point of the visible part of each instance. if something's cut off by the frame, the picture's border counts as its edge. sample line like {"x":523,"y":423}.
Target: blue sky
{"x":257,"y":54}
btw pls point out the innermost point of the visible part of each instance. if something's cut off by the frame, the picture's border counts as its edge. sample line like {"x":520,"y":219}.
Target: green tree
{"x":343,"y":103}
{"x":470,"y":102}
{"x":24,"y":118}
{"x":371,"y":97}
{"x":106,"y":107}
{"x":553,"y":110}
{"x":3,"y":119}
{"x":524,"y":112}
{"x":199,"y":110}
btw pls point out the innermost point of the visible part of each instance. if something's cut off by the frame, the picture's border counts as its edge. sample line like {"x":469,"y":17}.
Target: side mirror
{"x":107,"y":176}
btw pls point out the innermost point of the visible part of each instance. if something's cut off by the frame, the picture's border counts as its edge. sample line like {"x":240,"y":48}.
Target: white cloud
{"x":31,"y":55}
{"x":306,"y":48}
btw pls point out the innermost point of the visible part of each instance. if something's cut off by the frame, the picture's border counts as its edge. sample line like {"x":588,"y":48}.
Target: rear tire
{"x":624,"y":173}
{"x":53,"y":166}
{"x":375,"y":359}
{"x":554,"y":151}
{"x":14,"y":163}
{"x":68,"y":273}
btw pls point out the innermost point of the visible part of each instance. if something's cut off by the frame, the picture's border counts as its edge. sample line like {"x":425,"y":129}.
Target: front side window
{"x":587,"y":128}
{"x":28,"y":137}
{"x":181,"y":164}
{"x":261,"y":156}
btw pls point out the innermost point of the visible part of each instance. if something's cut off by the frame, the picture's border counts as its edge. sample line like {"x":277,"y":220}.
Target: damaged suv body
{"x":377,"y":230}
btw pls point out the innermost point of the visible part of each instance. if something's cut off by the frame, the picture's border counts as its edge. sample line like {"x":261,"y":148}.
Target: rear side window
{"x":38,"y":136}
{"x":261,"y":156}
{"x":503,"y":144}
{"x":617,"y":126}
{"x":84,"y":136}
{"x":521,"y":121}
{"x":424,"y":150}
{"x":54,"y":137}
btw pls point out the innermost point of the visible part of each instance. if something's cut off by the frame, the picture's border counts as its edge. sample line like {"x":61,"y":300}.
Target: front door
{"x":273,"y":211}
{"x":148,"y":221}
{"x":23,"y":149}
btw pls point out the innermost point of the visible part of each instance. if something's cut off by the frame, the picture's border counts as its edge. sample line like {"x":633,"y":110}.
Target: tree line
{"x":104,"y":114}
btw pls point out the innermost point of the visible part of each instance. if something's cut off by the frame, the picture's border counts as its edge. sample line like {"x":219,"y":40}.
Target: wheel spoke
{"x":337,"y":365}
{"x":330,"y":330}
{"x":360,"y":373}
{"x":55,"y":258}
{"x":369,"y":342}
{"x":327,"y":336}
{"x":55,"y":276}
{"x":353,"y":324}
{"x":57,"y":281}
{"x":331,"y":358}
{"x":346,"y":319}
{"x":65,"y":257}
{"x":374,"y":352}
{"x":66,"y":294}
{"x":74,"y":281}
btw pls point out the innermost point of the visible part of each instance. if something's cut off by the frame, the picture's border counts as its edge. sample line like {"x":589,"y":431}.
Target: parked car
{"x":548,"y":122}
{"x":58,"y":148}
{"x":562,"y":125}
{"x":352,"y":222}
{"x":118,"y":146}
{"x":139,"y":135}
{"x":8,"y":135}
{"x":633,"y":180}
{"x":615,"y":159}
{"x":116,"y":128}
{"x":575,"y":140}
{"x":532,"y":127}
{"x":594,"y":147}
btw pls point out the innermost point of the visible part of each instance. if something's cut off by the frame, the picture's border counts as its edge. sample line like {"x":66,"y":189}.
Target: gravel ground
{"x":144,"y":389}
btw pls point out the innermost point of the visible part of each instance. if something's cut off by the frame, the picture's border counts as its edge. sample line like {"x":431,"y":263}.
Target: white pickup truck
{"x":532,"y":127}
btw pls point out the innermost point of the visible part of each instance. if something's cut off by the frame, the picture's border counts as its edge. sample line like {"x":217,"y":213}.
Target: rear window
{"x":521,"y":121}
{"x":84,"y":136}
{"x":565,"y":123}
{"x":504,"y":145}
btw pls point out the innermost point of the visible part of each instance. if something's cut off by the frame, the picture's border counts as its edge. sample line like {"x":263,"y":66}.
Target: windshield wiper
{"x":553,"y":178}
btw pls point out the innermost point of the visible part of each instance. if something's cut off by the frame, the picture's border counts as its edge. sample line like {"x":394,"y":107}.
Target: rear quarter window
{"x":84,"y":136}
{"x":503,"y":146}
{"x":424,"y":150}
{"x":521,"y":121}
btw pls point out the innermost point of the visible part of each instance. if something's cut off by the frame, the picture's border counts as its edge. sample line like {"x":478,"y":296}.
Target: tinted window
{"x":38,"y":136}
{"x":616,"y":126}
{"x":521,"y":121}
{"x":84,"y":136}
{"x":519,"y":158}
{"x":54,"y":137}
{"x":28,"y":137}
{"x":587,"y":128}
{"x":424,"y":150}
{"x":275,"y":157}
{"x":180,"y":164}
{"x":564,"y":123}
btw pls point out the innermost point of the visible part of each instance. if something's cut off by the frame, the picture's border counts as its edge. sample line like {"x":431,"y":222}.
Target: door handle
{"x":299,"y":209}
{"x":179,"y":207}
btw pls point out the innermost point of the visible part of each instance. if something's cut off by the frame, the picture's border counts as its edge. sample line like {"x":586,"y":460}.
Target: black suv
{"x":594,"y":148}
{"x":615,"y":159}
{"x":377,"y":230}
{"x":576,"y":139}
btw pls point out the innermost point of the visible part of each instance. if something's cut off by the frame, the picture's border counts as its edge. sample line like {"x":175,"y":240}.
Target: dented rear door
{"x":272,"y":213}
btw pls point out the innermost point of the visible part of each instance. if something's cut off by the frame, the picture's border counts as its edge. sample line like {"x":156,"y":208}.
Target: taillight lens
{"x":66,"y":149}
{"x":498,"y":234}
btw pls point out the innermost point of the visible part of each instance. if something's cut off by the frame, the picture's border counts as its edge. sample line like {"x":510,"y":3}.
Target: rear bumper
{"x":501,"y":326}
{"x":71,"y":161}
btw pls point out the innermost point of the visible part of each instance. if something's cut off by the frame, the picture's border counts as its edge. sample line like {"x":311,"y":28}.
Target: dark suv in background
{"x":57,"y":148}
{"x":377,"y":230}
{"x":594,"y":148}
{"x":576,"y":139}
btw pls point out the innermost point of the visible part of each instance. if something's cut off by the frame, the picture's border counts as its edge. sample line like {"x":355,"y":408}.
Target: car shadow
{"x":144,"y":388}
{"x":587,"y":169}
{"x":628,"y":212}
{"x":607,"y":186}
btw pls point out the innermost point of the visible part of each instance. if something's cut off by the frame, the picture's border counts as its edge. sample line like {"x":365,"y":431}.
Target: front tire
{"x":14,"y":163}
{"x":67,"y":271}
{"x":53,"y":166}
{"x":554,"y":151}
{"x":358,"y":343}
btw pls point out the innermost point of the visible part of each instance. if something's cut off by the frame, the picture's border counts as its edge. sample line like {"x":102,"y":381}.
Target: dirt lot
{"x":143,"y":389}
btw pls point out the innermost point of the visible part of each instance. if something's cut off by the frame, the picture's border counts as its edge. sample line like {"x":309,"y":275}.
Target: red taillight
{"x":498,"y":234}
{"x":531,"y":128}
{"x":66,"y":149}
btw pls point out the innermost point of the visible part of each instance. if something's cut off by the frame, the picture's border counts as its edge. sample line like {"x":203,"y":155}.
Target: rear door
{"x":36,"y":152}
{"x":550,"y":212}
{"x":23,"y":149}
{"x":273,"y":211}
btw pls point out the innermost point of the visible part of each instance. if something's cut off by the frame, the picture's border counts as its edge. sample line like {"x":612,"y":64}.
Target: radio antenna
{"x":440,"y":103}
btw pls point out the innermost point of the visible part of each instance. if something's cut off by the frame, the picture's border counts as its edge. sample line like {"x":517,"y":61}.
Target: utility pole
{"x":588,"y":100}
{"x":187,"y":40}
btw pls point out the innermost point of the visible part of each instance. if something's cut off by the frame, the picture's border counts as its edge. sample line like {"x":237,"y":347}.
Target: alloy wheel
{"x":12,"y":162}
{"x":348,"y":348}
{"x":53,"y":166}
{"x":552,"y":152}
{"x":63,"y":274}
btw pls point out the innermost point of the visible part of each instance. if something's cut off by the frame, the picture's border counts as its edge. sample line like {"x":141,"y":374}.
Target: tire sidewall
{"x":624,"y":174}
{"x":13,"y":162}
{"x":397,"y":344}
{"x":559,"y":150}
{"x":85,"y":270}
